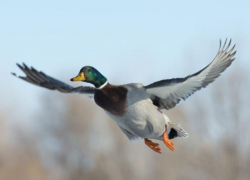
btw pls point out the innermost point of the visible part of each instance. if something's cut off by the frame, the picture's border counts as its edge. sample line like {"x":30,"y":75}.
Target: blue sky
{"x":128,"y":41}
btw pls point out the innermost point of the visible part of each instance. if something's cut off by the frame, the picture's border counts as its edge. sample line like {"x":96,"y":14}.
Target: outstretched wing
{"x":42,"y":80}
{"x":168,"y":93}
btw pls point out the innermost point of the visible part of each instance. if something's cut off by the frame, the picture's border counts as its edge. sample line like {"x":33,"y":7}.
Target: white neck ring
{"x":102,"y":86}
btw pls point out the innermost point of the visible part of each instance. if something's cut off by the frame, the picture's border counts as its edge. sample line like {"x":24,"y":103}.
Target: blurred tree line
{"x":72,"y":139}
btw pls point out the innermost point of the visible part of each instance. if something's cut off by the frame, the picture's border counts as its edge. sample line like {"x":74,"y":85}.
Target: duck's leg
{"x":154,"y":146}
{"x":167,"y":141}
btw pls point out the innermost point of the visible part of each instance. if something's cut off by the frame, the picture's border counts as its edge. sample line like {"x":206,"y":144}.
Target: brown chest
{"x":112,"y":99}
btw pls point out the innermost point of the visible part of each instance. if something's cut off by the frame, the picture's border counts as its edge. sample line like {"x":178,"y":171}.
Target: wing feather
{"x":42,"y":80}
{"x":168,"y":93}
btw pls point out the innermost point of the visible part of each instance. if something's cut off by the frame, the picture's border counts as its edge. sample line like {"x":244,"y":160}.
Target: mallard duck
{"x":136,"y":108}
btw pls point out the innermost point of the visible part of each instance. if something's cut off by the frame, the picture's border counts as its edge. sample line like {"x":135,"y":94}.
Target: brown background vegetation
{"x":71,"y":139}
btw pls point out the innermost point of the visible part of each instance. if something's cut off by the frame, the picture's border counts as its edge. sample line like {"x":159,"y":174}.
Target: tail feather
{"x":177,"y":127}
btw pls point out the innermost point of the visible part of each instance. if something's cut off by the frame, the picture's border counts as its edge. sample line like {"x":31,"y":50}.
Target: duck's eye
{"x":89,"y":70}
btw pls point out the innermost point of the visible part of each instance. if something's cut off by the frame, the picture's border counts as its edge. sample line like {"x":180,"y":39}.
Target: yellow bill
{"x":80,"y":77}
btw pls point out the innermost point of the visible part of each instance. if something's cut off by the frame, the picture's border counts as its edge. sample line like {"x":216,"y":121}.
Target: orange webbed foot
{"x":167,"y":141}
{"x":154,"y":146}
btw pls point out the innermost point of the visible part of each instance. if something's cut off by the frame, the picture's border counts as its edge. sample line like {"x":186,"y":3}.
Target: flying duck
{"x":136,"y":108}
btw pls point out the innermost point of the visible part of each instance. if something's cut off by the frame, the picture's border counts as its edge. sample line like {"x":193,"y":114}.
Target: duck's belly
{"x":142,"y":119}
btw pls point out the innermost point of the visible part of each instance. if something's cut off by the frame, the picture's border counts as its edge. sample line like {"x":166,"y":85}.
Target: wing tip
{"x":25,"y":66}
{"x":220,"y":45}
{"x":14,"y":74}
{"x":224,"y":45}
{"x":20,"y":66}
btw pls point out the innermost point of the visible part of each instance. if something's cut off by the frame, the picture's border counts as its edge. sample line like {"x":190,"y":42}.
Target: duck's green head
{"x":91,"y":75}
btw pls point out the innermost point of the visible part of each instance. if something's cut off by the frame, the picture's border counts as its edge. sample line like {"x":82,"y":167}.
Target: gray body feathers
{"x":142,"y":119}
